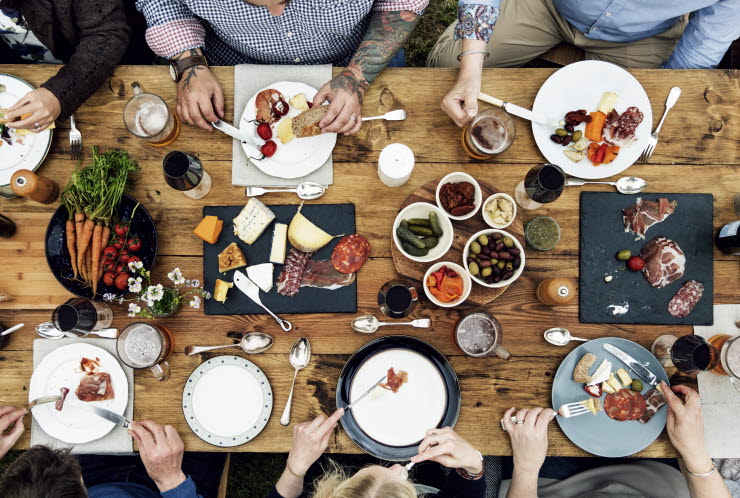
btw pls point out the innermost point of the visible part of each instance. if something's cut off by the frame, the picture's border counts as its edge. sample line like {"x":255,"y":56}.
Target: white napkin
{"x":248,"y":80}
{"x":720,"y":401}
{"x":117,"y":441}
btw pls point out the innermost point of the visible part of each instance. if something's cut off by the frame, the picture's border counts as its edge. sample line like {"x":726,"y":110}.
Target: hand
{"x":310,"y":440}
{"x":461,"y":102}
{"x":345,"y":92}
{"x":447,"y":448}
{"x":161,"y":450}
{"x":37,"y":107}
{"x":200,"y":99}
{"x":685,"y":426}
{"x":10,"y":416}
{"x":528,"y":440}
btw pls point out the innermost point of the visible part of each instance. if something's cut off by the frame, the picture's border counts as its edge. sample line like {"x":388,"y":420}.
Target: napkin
{"x":250,"y":79}
{"x":117,"y":441}
{"x":720,"y":402}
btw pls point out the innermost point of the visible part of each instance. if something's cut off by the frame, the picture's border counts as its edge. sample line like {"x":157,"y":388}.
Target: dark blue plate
{"x":57,"y":254}
{"x":370,"y":445}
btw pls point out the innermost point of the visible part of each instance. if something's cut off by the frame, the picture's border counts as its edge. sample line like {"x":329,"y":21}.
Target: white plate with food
{"x":19,"y":149}
{"x":299,"y":156}
{"x":587,"y":85}
{"x":227,"y":401}
{"x":90,"y":373}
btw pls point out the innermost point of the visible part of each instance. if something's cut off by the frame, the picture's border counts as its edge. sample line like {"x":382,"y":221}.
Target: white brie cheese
{"x":279,"y":241}
{"x":252,"y":221}
{"x":601,"y":374}
{"x":261,"y":275}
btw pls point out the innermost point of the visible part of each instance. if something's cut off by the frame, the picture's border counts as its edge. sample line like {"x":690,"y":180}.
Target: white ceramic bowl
{"x":487,"y":216}
{"x":458,"y":177}
{"x":489,"y":233}
{"x":467,"y":283}
{"x":421,"y":210}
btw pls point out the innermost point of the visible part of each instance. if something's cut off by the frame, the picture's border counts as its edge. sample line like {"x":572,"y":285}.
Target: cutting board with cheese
{"x":255,"y":223}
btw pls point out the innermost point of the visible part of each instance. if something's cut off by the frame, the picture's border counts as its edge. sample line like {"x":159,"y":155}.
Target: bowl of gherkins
{"x":494,"y":258}
{"x":422,"y":232}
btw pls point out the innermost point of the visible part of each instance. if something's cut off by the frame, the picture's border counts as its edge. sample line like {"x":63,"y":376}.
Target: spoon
{"x":559,"y":336}
{"x":397,"y":115}
{"x":625,"y":185}
{"x":12,"y":329}
{"x":49,"y":331}
{"x":251,"y":343}
{"x":300,"y":354}
{"x":367,"y":324}
{"x":306,"y":190}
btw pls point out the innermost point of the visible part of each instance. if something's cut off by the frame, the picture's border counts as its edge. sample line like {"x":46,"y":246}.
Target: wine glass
{"x":541,"y":185}
{"x":690,"y":353}
{"x":185,"y":172}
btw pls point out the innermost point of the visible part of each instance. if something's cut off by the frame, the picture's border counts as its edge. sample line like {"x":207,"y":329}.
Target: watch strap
{"x":182,"y":65}
{"x":472,"y":477}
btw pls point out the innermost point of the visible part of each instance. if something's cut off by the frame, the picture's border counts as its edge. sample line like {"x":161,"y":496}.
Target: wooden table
{"x":698,"y":152}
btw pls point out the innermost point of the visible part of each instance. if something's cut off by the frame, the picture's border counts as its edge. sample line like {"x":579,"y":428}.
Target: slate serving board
{"x":602,"y":235}
{"x":333,"y":218}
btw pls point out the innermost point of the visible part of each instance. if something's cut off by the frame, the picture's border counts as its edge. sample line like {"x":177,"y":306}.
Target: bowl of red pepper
{"x":447,"y":284}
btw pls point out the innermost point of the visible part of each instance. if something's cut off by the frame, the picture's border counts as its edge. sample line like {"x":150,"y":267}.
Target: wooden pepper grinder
{"x":38,"y":188}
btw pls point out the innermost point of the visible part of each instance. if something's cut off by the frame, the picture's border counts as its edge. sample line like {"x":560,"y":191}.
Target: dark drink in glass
{"x":692,"y":354}
{"x":184,"y":172}
{"x":397,"y":299}
{"x":543,"y":184}
{"x":7,"y":227}
{"x":79,"y":316}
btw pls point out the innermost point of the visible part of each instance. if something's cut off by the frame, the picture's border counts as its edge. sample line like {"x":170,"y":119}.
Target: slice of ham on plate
{"x":394,"y":380}
{"x":97,"y":387}
{"x":665,"y":262}
{"x":644,"y":214}
{"x":323,"y":275}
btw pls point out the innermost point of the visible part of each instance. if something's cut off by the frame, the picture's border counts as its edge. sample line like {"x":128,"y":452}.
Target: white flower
{"x":154,"y":293}
{"x":176,"y":276}
{"x":134,"y":284}
{"x":136,"y":265}
{"x":187,"y":283}
{"x":195,"y":303}
{"x":206,"y":294}
{"x":133,"y":309}
{"x":195,"y":283}
{"x":120,"y":300}
{"x":108,"y":297}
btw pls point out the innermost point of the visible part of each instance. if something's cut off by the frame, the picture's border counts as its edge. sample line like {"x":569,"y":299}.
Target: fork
{"x":397,"y":115}
{"x":565,"y":411}
{"x":75,"y":141}
{"x":653,"y":140}
{"x":41,"y":401}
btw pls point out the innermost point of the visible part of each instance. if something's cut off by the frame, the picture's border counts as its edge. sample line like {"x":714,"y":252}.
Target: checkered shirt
{"x":237,"y":32}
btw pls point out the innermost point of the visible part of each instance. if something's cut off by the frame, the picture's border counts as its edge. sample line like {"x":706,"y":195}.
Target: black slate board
{"x":333,"y":218}
{"x":602,"y":235}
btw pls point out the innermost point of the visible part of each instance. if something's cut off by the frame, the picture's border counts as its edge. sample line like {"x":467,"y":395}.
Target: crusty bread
{"x":306,"y":124}
{"x":3,"y":120}
{"x":580,"y":373}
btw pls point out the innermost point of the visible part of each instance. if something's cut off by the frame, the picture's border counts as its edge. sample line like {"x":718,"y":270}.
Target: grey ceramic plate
{"x":599,"y":434}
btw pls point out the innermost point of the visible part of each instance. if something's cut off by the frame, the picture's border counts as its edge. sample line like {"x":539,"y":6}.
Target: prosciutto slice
{"x":323,"y":275}
{"x":665,"y":262}
{"x":60,"y":403}
{"x":289,"y":281}
{"x":97,"y":387}
{"x":619,"y":129}
{"x":394,"y":381}
{"x":654,"y":399}
{"x":644,"y":214}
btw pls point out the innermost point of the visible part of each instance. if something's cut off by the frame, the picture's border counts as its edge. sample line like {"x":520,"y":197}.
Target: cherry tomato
{"x":109,"y":278}
{"x":125,"y":254}
{"x":121,"y":269}
{"x":122,"y":281}
{"x":635,"y":263}
{"x":109,"y":266}
{"x":119,"y":242}
{"x":269,"y":148}
{"x":110,"y":253}
{"x":133,"y":259}
{"x":134,"y":244}
{"x":121,"y":229}
{"x":264,"y":131}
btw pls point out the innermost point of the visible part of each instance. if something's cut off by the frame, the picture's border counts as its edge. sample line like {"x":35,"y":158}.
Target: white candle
{"x":395,"y":165}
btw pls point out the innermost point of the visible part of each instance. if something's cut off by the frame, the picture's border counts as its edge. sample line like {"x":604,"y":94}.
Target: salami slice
{"x":289,"y":281}
{"x":685,"y":299}
{"x":638,"y":405}
{"x":351,"y":253}
{"x":618,"y":406}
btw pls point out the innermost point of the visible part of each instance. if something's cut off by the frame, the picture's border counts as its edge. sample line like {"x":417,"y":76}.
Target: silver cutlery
{"x":306,"y":190}
{"x":559,"y":336}
{"x":367,"y":324}
{"x":12,"y":329}
{"x":75,"y":140}
{"x":397,"y":115}
{"x":516,"y":110}
{"x":653,"y":140}
{"x":572,"y":409}
{"x":625,"y":185}
{"x":249,"y":288}
{"x":349,"y":406}
{"x":251,"y":343}
{"x":300,"y":355}
{"x":233,"y":132}
{"x":7,"y":193}
{"x":47,"y":330}
{"x":43,"y":400}
{"x":634,"y":365}
{"x":110,"y":416}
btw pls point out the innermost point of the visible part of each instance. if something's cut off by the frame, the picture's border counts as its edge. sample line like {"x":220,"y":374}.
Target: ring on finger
{"x":353,"y":117}
{"x":37,"y":126}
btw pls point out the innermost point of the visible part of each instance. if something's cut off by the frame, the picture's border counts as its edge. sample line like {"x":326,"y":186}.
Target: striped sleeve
{"x":415,"y":6}
{"x":475,"y":19}
{"x":171,"y":27}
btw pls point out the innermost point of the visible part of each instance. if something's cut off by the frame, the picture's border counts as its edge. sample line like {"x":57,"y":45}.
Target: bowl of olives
{"x":493,"y":258}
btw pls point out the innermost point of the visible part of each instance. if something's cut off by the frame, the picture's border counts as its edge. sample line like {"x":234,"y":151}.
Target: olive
{"x":508,"y":242}
{"x":485,"y":250}
{"x":497,"y":236}
{"x":566,"y":140}
{"x":624,"y":255}
{"x":499,"y":246}
{"x":483,"y":239}
{"x":514,"y":251}
{"x":486,"y":272}
{"x":473,"y":268}
{"x":569,"y":128}
{"x":496,"y":271}
{"x":475,"y":248}
{"x":517,"y":262}
{"x":482,"y":256}
{"x":507,"y":275}
{"x":494,"y":255}
{"x":505,"y":256}
{"x":577,"y":135}
{"x":501,"y":265}
{"x":485,"y":263}
{"x":561,"y":132}
{"x":494,"y":261}
{"x":555,"y":138}
{"x":509,"y":266}
{"x":496,"y":279}
{"x":470,"y":260}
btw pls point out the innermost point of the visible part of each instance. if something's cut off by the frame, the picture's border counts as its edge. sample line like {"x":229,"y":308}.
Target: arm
{"x":10,"y":416}
{"x":707,"y":37}
{"x":529,"y":446}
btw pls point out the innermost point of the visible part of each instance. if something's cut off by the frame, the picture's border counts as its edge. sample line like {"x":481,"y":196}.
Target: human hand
{"x":310,"y":439}
{"x":161,"y":450}
{"x":37,"y":109}
{"x":10,"y":416}
{"x":447,"y":448}
{"x":345,"y":92}
{"x":528,"y":440}
{"x":685,"y":426}
{"x":461,"y":102}
{"x":200,"y":99}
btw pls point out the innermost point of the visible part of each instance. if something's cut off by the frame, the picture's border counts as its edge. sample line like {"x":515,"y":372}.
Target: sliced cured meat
{"x":619,"y":129}
{"x":685,"y":299}
{"x":289,"y":281}
{"x":60,"y":403}
{"x":350,"y":253}
{"x":654,"y":399}
{"x":97,"y":387}
{"x":322,"y":274}
{"x":264,"y":104}
{"x":665,"y":262}
{"x":394,"y":380}
{"x":637,"y":404}
{"x":618,"y":405}
{"x":644,"y":214}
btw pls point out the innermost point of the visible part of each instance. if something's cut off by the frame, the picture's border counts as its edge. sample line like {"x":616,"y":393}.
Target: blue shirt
{"x":712,"y":28}
{"x":135,"y":490}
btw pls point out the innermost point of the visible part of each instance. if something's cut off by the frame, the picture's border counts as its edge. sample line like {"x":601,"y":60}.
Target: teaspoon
{"x":300,"y":355}
{"x":367,"y":324}
{"x":306,"y":190}
{"x":397,"y":115}
{"x":625,"y":185}
{"x":559,"y":336}
{"x":251,"y":343}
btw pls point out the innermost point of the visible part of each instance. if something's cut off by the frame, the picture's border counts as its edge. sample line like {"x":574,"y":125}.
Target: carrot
{"x":95,"y":256}
{"x":88,"y":265}
{"x":71,"y":245}
{"x":595,"y":126}
{"x":79,"y":222}
{"x":87,"y":231}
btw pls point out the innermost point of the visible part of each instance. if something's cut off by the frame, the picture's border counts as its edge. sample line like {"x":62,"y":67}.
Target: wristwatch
{"x":472,"y":477}
{"x":179,"y":66}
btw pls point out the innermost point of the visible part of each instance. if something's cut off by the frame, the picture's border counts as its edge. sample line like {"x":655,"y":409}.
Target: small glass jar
{"x":542,"y":233}
{"x":168,"y":305}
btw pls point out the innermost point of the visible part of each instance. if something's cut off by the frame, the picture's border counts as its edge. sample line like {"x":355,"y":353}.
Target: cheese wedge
{"x":221,"y":289}
{"x":614,"y":383}
{"x":279,"y":243}
{"x":624,"y":377}
{"x":209,"y":229}
{"x":230,"y":258}
{"x":601,"y":374}
{"x":285,"y":130}
{"x":305,"y":236}
{"x":252,"y":221}
{"x":605,"y":387}
{"x":299,"y":102}
{"x":261,"y":275}
{"x":606,"y":104}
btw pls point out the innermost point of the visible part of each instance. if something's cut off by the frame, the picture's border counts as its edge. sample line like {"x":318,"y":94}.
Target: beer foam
{"x":151,"y":118}
{"x":143,"y":345}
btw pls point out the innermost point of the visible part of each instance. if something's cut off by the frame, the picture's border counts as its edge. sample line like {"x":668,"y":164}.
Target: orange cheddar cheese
{"x":209,"y":229}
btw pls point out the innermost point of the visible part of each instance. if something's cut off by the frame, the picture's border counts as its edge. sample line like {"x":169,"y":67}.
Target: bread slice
{"x":221,"y":289}
{"x":230,"y":258}
{"x":3,"y":119}
{"x":580,"y":373}
{"x":306,"y":124}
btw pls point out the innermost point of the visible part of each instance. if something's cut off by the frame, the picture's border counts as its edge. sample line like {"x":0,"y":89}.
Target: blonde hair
{"x":335,"y":483}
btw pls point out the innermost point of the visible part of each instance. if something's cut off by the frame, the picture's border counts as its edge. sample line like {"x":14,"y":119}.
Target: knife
{"x":633,"y":364}
{"x":110,"y":416}
{"x":516,"y":110}
{"x":244,"y":284}
{"x":349,"y":406}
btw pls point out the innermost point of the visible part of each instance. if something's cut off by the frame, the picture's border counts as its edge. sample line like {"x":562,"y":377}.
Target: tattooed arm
{"x":385,"y":36}
{"x":200,"y":99}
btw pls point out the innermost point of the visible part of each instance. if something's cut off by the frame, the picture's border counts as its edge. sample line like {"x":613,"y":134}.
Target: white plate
{"x":32,"y":152}
{"x":227,"y":401}
{"x":402,"y":418}
{"x":580,"y":86}
{"x":422,"y":210}
{"x":75,"y":424}
{"x":300,"y":156}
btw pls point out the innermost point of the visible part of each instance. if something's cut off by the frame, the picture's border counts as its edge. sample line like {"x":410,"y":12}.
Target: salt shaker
{"x":395,"y":165}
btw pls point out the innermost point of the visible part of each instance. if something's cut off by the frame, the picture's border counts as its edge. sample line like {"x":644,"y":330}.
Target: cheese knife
{"x":634,"y":365}
{"x":517,"y":110}
{"x":110,"y":416}
{"x":244,"y":284}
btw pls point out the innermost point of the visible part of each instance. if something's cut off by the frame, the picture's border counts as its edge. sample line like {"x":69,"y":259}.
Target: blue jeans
{"x":398,"y":60}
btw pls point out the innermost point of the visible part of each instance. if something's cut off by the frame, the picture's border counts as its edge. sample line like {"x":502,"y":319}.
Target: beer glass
{"x":147,"y":116}
{"x":185,"y":172}
{"x":79,"y":316}
{"x":144,"y":345}
{"x":488,"y":134}
{"x":479,"y":335}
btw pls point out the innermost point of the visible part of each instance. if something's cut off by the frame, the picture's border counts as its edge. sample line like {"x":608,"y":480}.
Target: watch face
{"x":173,"y":72}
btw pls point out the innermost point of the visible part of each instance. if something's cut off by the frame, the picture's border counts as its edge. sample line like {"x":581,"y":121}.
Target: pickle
{"x":405,"y":235}
{"x":420,"y":230}
{"x":404,"y":224}
{"x":430,"y":242}
{"x":412,"y":250}
{"x":419,"y":221}
{"x":434,"y":224}
{"x":637,"y":385}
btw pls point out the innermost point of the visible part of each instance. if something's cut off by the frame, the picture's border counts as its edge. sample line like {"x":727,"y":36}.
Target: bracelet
{"x":472,"y":477}
{"x":712,"y":471}
{"x":287,"y":467}
{"x":486,"y":55}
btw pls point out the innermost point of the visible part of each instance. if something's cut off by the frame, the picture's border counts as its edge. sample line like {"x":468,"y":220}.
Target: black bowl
{"x":370,"y":445}
{"x":57,"y":255}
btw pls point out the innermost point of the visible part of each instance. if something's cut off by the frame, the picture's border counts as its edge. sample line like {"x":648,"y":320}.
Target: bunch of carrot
{"x":92,"y":197}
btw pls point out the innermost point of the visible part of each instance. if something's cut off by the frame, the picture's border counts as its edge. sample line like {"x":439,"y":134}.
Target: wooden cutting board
{"x":463,"y":231}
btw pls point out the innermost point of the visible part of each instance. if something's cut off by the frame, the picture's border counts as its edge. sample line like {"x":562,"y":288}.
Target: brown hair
{"x":337,"y":484}
{"x":42,"y":471}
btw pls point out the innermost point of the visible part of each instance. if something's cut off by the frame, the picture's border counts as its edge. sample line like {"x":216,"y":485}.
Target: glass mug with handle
{"x":479,"y":335}
{"x":147,"y":116}
{"x":143,"y":345}
{"x":729,"y":357}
